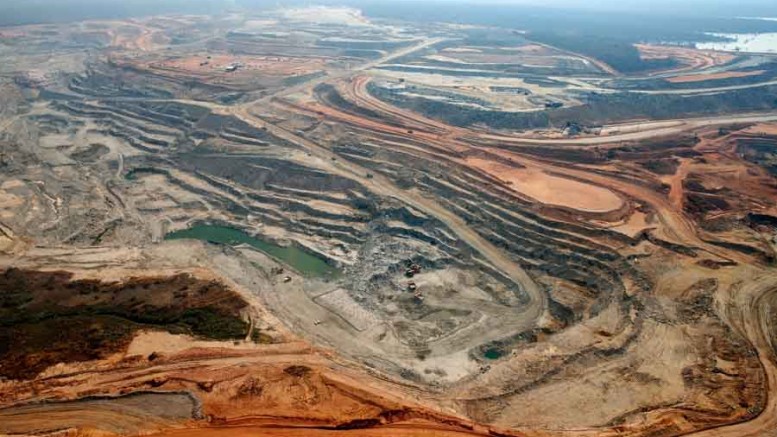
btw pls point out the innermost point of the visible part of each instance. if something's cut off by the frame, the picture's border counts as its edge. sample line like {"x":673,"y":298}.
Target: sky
{"x":58,"y":10}
{"x":729,"y":8}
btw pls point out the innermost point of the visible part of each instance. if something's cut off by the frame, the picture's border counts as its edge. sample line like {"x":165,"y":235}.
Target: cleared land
{"x":306,"y":223}
{"x":552,"y":190}
{"x":692,"y":59}
{"x":713,"y":76}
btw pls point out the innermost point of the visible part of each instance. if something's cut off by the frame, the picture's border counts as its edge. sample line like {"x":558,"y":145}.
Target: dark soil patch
{"x":47,"y":318}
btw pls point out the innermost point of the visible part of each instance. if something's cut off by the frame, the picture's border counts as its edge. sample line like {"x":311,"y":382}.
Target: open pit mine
{"x":310,"y":223}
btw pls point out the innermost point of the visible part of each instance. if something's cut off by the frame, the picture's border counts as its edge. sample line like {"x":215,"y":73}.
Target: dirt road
{"x":676,"y":184}
{"x":349,"y":72}
{"x":415,"y":429}
{"x":705,"y":90}
{"x":384,"y":187}
{"x":639,"y":130}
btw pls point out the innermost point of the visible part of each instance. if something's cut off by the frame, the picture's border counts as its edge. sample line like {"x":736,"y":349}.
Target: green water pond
{"x":493,"y":354}
{"x":296,"y":258}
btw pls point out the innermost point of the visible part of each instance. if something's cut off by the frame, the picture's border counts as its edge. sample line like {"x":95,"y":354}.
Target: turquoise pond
{"x":493,"y":354}
{"x":296,"y":258}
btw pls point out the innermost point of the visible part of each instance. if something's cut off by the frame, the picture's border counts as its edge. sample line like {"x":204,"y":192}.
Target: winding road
{"x":748,"y":311}
{"x":641,"y":130}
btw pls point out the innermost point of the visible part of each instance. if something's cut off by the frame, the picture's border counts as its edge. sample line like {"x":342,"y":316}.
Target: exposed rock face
{"x":366,"y":267}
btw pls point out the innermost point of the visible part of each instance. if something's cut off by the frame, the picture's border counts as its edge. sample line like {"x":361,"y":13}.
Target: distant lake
{"x":743,"y":42}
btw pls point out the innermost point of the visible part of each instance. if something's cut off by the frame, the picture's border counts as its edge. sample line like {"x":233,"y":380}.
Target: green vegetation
{"x":133,"y":174}
{"x":761,"y":152}
{"x":598,"y":108}
{"x":28,"y":348}
{"x":295,"y":257}
{"x":210,"y":323}
{"x":620,"y":55}
{"x":660,"y":166}
{"x":606,"y":35}
{"x":458,"y":115}
{"x":46,"y":318}
{"x":259,"y":337}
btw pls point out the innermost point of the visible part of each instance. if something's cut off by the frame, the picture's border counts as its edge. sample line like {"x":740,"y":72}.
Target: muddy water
{"x":295,"y":257}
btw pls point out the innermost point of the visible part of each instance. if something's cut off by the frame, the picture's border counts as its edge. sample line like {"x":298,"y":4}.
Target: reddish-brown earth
{"x":597,"y":286}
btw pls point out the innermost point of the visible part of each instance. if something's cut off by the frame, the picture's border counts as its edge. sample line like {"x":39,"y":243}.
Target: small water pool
{"x":298,"y":259}
{"x":493,"y":353}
